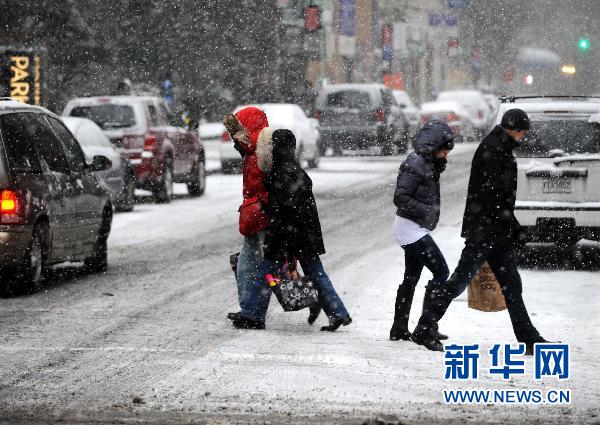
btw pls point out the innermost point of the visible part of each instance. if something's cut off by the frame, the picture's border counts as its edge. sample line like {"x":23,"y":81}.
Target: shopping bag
{"x":484,"y":292}
{"x":293,"y":291}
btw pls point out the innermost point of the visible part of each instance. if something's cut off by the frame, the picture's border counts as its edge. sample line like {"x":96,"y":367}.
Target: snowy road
{"x":148,"y":341}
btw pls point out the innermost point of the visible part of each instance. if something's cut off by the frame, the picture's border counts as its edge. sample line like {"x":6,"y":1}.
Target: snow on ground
{"x":162,"y":334}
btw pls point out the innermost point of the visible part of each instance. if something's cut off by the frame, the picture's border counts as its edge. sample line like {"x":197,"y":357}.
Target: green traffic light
{"x":584,"y":44}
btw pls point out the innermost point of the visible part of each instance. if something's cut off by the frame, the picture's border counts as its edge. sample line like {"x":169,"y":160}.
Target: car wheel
{"x":30,"y":273}
{"x":97,"y":262}
{"x":128,"y":197}
{"x":314,"y":161}
{"x":163,"y":192}
{"x":197,"y":183}
{"x":338,"y":150}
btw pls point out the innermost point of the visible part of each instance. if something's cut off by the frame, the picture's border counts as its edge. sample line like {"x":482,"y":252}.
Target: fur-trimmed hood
{"x":264,"y":150}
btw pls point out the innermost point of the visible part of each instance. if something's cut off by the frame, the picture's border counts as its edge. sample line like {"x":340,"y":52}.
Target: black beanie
{"x":515,"y":119}
{"x":284,"y":145}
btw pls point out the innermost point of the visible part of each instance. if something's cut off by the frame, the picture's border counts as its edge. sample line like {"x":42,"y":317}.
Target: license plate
{"x":556,"y":186}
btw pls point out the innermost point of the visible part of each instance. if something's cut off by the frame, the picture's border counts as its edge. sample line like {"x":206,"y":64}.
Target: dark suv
{"x":154,"y":140}
{"x":52,"y":208}
{"x":360,"y":116}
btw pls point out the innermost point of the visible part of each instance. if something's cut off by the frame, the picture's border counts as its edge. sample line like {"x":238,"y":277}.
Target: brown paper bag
{"x":484,"y":292}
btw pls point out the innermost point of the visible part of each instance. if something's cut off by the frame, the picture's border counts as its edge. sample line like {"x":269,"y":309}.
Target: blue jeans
{"x":251,"y":256}
{"x":258,"y":301}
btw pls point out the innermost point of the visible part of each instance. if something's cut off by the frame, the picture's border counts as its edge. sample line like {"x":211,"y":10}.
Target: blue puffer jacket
{"x":417,"y":193}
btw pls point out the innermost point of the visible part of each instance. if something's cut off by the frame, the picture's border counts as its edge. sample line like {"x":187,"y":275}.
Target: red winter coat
{"x":253,"y":216}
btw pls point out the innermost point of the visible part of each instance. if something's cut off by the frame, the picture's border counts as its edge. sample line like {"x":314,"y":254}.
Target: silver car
{"x":559,"y":169}
{"x":120,"y":178}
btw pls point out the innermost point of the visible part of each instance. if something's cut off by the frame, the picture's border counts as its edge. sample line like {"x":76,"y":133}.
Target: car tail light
{"x":317,"y":115}
{"x":481,"y":115}
{"x":150,"y":142}
{"x":9,"y":206}
{"x":380,"y":115}
{"x":451,"y":117}
{"x":225,"y":137}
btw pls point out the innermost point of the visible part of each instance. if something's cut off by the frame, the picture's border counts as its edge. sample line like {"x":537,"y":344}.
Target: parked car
{"x":410,"y":112}
{"x":475,"y":104}
{"x":559,"y":169}
{"x":120,"y":178}
{"x":360,"y":116}
{"x":452,"y":113}
{"x":161,"y":149}
{"x":280,"y":115}
{"x":52,"y":205}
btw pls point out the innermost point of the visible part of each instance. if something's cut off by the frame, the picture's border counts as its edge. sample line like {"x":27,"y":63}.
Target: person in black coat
{"x":417,"y":197}
{"x":294,"y":232}
{"x":491,"y":232}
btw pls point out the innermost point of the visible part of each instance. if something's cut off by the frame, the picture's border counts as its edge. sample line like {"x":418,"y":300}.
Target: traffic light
{"x":584,"y":44}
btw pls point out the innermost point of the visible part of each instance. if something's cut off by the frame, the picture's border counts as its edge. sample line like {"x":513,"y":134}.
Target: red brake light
{"x":150,"y":142}
{"x":225,"y":137}
{"x":317,"y":115}
{"x":380,"y":115}
{"x":481,"y":115}
{"x":451,"y":117}
{"x":9,"y":206}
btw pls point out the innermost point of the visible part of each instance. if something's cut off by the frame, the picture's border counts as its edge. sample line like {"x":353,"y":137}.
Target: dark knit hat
{"x":515,"y":119}
{"x":284,"y":145}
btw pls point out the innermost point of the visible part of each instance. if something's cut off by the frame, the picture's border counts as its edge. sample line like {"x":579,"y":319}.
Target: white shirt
{"x":407,"y":231}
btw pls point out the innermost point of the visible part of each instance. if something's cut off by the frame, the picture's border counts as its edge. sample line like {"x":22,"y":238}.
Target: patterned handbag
{"x":293,"y":291}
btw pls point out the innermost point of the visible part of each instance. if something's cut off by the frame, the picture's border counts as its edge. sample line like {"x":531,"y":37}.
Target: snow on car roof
{"x":533,"y":106}
{"x":8,"y":103}
{"x":443,"y":106}
{"x":93,"y":100}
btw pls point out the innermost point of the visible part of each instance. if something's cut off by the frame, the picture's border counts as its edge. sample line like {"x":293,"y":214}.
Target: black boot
{"x":397,"y":333}
{"x":242,"y":322}
{"x":336,"y":323}
{"x":404,"y":298}
{"x":314,"y":311}
{"x":427,"y":341}
{"x":529,"y":345}
{"x":233,"y":316}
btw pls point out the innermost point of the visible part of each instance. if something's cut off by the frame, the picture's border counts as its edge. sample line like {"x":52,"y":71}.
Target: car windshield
{"x":352,"y":99}
{"x":107,"y":116}
{"x":558,"y":137}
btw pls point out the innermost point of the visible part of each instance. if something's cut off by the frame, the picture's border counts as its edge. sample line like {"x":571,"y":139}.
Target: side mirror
{"x":403,"y":105}
{"x":100,"y":163}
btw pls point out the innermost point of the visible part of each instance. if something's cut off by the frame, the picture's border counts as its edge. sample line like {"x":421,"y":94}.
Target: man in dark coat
{"x":491,"y":232}
{"x":294,"y":232}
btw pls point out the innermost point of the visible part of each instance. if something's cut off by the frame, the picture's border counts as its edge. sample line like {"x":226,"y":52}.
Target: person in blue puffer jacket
{"x":417,"y":197}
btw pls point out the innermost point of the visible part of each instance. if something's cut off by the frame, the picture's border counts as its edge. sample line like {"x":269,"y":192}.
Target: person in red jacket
{"x":253,"y":211}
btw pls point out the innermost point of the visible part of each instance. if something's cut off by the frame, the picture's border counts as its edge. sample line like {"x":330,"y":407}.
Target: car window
{"x":172,"y":118}
{"x":551,"y":137}
{"x":386,"y":96}
{"x":349,"y":99}
{"x":153,"y":115}
{"x":49,"y":148}
{"x":73,"y":151}
{"x":21,"y":154}
{"x":107,"y":116}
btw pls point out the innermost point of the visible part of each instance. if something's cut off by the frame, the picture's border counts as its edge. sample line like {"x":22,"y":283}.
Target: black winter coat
{"x":417,"y":193}
{"x":294,"y":230}
{"x":489,"y":212}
